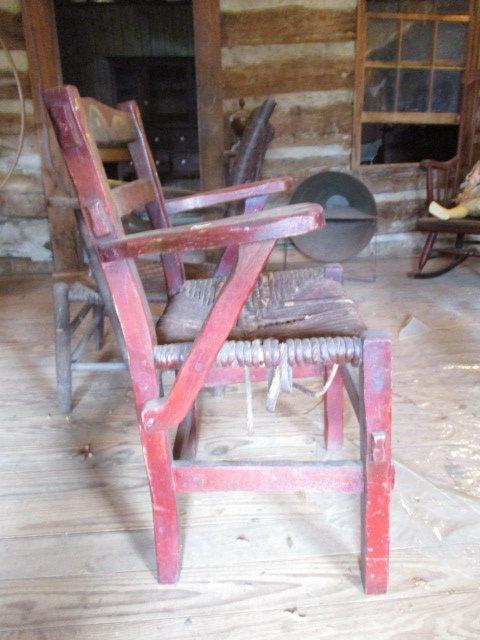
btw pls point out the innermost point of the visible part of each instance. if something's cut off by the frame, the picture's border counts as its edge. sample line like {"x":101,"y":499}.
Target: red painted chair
{"x":294,"y":325}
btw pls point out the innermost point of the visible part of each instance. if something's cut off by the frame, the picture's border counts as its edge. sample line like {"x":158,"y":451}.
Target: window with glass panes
{"x":412,"y":56}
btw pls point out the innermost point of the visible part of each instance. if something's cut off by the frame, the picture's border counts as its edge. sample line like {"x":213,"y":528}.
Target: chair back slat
{"x":133,"y":196}
{"x":109,"y":127}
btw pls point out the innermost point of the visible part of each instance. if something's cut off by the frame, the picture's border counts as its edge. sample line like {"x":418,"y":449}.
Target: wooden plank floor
{"x":76,"y":548}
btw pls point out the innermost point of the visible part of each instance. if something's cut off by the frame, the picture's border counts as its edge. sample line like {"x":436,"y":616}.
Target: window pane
{"x":379,"y":90}
{"x":413,"y":92}
{"x":382,"y":40}
{"x":417,"y":6}
{"x":446,"y":91}
{"x":417,"y":41}
{"x":453,"y":6}
{"x":385,"y":144}
{"x":383,"y":5}
{"x":451,"y":42}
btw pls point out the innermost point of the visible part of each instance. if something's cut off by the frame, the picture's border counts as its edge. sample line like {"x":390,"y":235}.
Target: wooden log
{"x":286,"y":25}
{"x":8,"y":86}
{"x":44,"y":64}
{"x":12,"y":30}
{"x":282,"y":76}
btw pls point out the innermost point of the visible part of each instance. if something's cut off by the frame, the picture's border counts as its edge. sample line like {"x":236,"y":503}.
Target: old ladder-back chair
{"x":443,"y":183}
{"x":291,"y":324}
{"x":245,"y":165}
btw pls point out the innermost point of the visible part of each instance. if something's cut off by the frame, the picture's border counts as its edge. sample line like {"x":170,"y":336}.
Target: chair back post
{"x":145,"y":169}
{"x":79,"y":141}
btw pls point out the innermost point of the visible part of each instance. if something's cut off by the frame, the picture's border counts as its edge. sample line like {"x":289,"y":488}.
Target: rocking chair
{"x":443,"y":183}
{"x":286,"y":325}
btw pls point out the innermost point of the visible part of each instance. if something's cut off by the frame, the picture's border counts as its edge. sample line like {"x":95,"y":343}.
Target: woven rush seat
{"x":299,"y":303}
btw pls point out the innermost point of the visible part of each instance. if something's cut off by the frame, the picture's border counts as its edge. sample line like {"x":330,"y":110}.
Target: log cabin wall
{"x":302,"y":52}
{"x":24,"y":236}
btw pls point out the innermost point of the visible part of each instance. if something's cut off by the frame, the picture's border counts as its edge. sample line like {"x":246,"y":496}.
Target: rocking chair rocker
{"x":295,"y":324}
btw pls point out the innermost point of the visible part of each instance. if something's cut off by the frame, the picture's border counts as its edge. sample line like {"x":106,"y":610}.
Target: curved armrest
{"x":229,"y":194}
{"x":436,"y":164}
{"x":292,"y":220}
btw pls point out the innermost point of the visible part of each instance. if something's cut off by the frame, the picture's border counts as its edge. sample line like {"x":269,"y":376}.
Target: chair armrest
{"x":436,"y":164}
{"x":292,"y":220}
{"x":228,"y":194}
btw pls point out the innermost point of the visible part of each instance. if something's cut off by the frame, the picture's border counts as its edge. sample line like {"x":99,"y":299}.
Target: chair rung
{"x":345,"y":477}
{"x":267,"y":352}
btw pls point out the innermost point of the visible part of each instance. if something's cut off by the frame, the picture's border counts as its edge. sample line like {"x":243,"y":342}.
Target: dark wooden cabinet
{"x":165,"y":91}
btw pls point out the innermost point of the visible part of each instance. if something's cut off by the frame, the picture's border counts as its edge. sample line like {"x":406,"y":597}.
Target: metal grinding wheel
{"x":350,"y":214}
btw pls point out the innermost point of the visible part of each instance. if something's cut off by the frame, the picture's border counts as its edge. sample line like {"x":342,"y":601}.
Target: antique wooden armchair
{"x":213,"y":329}
{"x":443,"y":183}
{"x":91,"y":292}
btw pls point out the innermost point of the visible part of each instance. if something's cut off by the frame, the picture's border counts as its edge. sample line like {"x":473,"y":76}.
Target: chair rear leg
{"x":156,"y":451}
{"x":99,"y":317}
{"x":333,"y":411}
{"x":376,"y":392}
{"x":63,"y":339}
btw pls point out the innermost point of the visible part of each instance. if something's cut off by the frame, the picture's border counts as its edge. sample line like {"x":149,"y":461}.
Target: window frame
{"x":360,"y":116}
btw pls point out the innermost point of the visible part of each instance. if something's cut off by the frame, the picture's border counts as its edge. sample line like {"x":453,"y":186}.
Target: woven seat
{"x":283,"y":304}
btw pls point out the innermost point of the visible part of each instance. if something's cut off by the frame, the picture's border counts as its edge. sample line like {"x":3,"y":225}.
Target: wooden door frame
{"x":45,"y":71}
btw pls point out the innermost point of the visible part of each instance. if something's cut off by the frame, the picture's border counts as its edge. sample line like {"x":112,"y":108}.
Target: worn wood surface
{"x":208,"y":72}
{"x":44,"y":66}
{"x":76,"y":542}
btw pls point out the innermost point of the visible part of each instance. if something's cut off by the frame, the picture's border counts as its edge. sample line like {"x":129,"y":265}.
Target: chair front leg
{"x":427,"y":248}
{"x":158,"y":463}
{"x":63,"y":340}
{"x":375,"y":407}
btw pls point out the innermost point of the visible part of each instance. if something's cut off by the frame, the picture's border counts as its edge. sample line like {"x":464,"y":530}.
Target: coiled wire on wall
{"x":21,"y":135}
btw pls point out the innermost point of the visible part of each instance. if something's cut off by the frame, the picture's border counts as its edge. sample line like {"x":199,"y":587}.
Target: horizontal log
{"x":8,"y":86}
{"x":303,"y":168}
{"x":345,"y":477}
{"x":301,"y":126}
{"x":282,"y":25}
{"x":10,"y":123}
{"x":283,"y":76}
{"x":399,"y":216}
{"x":12,"y":30}
{"x":10,"y":266}
{"x":22,"y":205}
{"x":383,"y":179}
{"x":268,"y":225}
{"x":311,"y":125}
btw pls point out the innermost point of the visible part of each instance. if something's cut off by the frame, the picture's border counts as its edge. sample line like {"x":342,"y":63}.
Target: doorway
{"x":141,"y":50}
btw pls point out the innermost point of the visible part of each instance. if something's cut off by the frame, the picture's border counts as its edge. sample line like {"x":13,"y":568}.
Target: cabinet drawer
{"x":185,"y":164}
{"x":183,"y":140}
